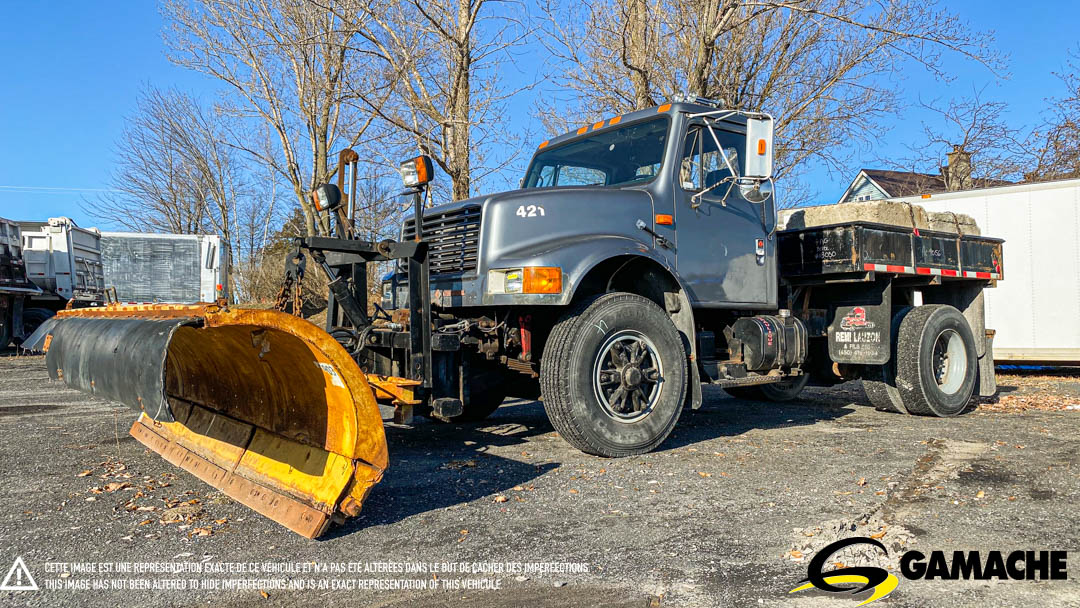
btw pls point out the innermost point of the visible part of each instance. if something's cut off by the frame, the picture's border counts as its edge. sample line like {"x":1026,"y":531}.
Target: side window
{"x":690,"y":165}
{"x":703,"y":166}
{"x":546,"y":177}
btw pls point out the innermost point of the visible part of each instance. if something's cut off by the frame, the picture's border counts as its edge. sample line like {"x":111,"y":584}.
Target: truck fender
{"x":676,"y":303}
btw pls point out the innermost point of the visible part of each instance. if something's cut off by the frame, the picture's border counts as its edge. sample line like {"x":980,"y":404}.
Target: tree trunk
{"x":459,"y":110}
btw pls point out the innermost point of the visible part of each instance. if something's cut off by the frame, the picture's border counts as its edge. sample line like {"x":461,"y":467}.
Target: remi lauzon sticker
{"x":856,"y":319}
{"x":914,"y":565}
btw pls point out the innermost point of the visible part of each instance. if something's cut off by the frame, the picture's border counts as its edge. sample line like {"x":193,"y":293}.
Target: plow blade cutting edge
{"x":262,"y":405}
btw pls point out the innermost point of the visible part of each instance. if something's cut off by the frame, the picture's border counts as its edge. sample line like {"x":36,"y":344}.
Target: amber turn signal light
{"x":542,"y":279}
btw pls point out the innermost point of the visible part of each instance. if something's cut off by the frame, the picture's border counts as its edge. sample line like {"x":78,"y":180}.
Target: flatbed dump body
{"x":861,"y":247}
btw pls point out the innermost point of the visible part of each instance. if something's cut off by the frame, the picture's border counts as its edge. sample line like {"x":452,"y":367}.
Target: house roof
{"x":909,"y":183}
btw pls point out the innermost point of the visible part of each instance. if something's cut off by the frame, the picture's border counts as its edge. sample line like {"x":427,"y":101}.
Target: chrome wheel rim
{"x":949,"y":361}
{"x":627,"y":376}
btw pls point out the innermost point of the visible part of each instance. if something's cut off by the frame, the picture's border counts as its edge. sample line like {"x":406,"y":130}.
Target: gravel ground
{"x":726,"y":513}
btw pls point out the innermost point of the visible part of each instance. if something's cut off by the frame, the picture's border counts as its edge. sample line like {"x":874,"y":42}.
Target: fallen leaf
{"x":84,"y":473}
{"x":265,"y":595}
{"x":704,"y":474}
{"x":501,"y":498}
{"x":202,"y":531}
{"x":878,"y":535}
{"x":980,"y":494}
{"x":573,"y":491}
{"x":517,"y":488}
{"x":220,"y":521}
{"x":795,"y":554}
{"x":861,"y":482}
{"x":116,"y":485}
{"x":145,"y":521}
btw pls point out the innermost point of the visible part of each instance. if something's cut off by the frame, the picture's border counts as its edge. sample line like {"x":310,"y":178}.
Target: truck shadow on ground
{"x":435,"y":466}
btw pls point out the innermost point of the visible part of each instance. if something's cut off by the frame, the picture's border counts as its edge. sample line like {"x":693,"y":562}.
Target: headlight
{"x":530,"y":279}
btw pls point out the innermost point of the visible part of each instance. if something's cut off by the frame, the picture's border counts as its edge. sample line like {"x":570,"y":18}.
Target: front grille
{"x":454,"y":238}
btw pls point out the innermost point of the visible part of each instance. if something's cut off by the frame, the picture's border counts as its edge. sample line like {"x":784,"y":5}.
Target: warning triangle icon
{"x":18,"y":578}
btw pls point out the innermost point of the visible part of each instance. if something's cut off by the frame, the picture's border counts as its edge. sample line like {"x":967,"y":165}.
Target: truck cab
{"x":641,"y":258}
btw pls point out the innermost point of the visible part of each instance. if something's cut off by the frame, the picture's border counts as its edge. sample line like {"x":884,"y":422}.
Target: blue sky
{"x":72,"y":72}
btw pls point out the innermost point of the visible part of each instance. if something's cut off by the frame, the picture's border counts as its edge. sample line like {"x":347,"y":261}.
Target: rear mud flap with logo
{"x":860,"y":326}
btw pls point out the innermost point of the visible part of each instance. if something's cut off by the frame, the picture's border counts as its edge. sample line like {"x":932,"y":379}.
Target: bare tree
{"x":1054,"y":147}
{"x":154,"y":188}
{"x":825,"y":68}
{"x":176,"y":174}
{"x":968,"y":142}
{"x":285,"y":63}
{"x":445,"y":57}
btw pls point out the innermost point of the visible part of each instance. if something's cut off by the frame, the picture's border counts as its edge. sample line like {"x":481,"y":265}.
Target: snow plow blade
{"x":262,"y":405}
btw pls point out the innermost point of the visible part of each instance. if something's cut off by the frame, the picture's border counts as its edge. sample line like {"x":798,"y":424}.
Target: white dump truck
{"x":64,"y":261}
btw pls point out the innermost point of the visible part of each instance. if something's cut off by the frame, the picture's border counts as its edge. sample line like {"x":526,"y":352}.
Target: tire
{"x":487,"y":391}
{"x":5,"y":332}
{"x":936,"y":364}
{"x":785,"y":390}
{"x":879,"y":384}
{"x":32,"y":318}
{"x":746,"y":393}
{"x":592,"y":397}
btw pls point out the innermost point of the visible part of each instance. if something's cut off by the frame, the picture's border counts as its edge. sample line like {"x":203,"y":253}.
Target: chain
{"x":290,"y":297}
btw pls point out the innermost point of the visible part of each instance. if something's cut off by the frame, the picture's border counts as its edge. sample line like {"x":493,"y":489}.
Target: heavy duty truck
{"x":15,"y":288}
{"x":638,"y":261}
{"x":64,"y":260}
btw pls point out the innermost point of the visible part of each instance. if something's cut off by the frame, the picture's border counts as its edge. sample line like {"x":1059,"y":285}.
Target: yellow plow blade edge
{"x":262,"y":405}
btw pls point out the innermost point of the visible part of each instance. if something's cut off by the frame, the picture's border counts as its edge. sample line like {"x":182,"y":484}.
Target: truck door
{"x":724,"y":254}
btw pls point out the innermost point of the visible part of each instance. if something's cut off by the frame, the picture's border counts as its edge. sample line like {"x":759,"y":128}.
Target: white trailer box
{"x":64,"y":261}
{"x":172,"y":268}
{"x":1036,"y":308}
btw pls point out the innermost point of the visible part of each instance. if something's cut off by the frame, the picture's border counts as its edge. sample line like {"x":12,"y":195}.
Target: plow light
{"x":416,"y":172}
{"x":327,"y":197}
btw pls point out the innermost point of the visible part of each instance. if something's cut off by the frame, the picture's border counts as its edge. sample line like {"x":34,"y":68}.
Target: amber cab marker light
{"x":582,"y":129}
{"x":926,"y":196}
{"x":615,"y":121}
{"x":544,"y":144}
{"x":541,"y":279}
{"x":664,"y":108}
{"x":761,"y":147}
{"x":665,"y":220}
{"x":598,"y":125}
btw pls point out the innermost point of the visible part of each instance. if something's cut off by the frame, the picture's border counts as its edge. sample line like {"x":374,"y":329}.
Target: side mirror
{"x":758,"y":159}
{"x":758,"y":192}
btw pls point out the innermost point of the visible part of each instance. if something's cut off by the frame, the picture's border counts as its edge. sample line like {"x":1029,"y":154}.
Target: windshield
{"x":617,"y":157}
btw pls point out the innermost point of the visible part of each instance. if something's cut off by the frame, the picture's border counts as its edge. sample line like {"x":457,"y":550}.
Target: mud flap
{"x":262,"y":405}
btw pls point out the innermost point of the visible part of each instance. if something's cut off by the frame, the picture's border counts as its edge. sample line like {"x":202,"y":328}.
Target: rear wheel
{"x":32,"y":318}
{"x":879,"y":383}
{"x":936,"y":363}
{"x":785,"y":390}
{"x":614,"y":375}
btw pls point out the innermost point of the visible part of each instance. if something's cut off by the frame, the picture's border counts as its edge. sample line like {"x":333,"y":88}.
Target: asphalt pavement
{"x":728,"y":512}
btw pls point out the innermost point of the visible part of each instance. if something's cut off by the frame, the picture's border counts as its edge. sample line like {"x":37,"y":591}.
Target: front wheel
{"x":614,"y":375}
